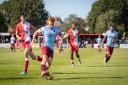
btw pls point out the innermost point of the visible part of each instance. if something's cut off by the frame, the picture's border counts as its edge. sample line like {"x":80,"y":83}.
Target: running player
{"x":23,"y":29}
{"x":111,"y":36}
{"x":73,"y":34}
{"x":12,"y":43}
{"x":59,"y":42}
{"x":99,"y":42}
{"x":49,"y":32}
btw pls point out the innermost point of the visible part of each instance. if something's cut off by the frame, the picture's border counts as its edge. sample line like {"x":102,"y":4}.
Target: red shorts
{"x":47,"y":51}
{"x":99,"y":46}
{"x":74,"y":48}
{"x":27,"y":45}
{"x":12,"y":45}
{"x":109,"y":50}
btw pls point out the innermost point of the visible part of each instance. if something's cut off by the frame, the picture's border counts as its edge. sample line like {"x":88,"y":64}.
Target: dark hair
{"x":74,"y":23}
{"x":23,"y":14}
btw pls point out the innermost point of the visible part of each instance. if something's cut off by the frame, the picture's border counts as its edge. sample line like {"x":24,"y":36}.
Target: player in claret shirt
{"x":73,"y":35}
{"x":111,"y":36}
{"x":23,"y":29}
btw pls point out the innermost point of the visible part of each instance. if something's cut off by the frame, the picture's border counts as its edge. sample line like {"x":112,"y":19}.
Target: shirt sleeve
{"x":17,"y":28}
{"x":106,"y":33}
{"x":68,"y":32}
{"x":59,"y":31}
{"x":42,"y":29}
{"x":30,"y":27}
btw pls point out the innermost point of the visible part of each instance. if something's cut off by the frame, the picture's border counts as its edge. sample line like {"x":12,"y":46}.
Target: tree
{"x":73,"y":18}
{"x":3,"y":27}
{"x":106,"y":12}
{"x":36,"y":13}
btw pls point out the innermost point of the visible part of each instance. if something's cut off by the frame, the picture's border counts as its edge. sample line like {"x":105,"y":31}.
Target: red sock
{"x":43,"y":67}
{"x":79,"y":60}
{"x":26,"y":62}
{"x":72,"y":62}
{"x":39,"y":59}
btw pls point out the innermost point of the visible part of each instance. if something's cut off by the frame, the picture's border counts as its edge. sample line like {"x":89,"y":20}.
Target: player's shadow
{"x":74,"y":73}
{"x":75,"y":78}
{"x":67,"y":73}
{"x":110,"y":66}
{"x":15,"y":78}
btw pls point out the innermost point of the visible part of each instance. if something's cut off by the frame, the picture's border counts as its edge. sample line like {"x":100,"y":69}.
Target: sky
{"x":63,"y":8}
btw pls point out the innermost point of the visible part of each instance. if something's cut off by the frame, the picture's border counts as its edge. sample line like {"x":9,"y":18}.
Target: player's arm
{"x":17,"y":36}
{"x":65,"y":36}
{"x":123,"y":36}
{"x":35,"y":34}
{"x":116,"y":39}
{"x":104,"y":40}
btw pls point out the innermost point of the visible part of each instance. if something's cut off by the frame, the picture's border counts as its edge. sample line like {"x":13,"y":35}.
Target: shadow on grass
{"x":75,"y":73}
{"x":75,"y":78}
{"x":15,"y":78}
{"x":109,"y":66}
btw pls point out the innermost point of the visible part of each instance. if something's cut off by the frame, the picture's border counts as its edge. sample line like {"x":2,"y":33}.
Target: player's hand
{"x":19,"y":38}
{"x":32,"y":42}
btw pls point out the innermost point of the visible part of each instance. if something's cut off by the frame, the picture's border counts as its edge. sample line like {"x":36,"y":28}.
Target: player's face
{"x":22,"y":18}
{"x":50,"y":23}
{"x":111,"y":29}
{"x":73,"y":26}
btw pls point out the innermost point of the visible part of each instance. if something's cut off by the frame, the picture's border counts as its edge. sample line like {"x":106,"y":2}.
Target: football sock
{"x":39,"y":58}
{"x":43,"y":67}
{"x":26,"y":62}
{"x":72,"y":62}
{"x":79,"y":60}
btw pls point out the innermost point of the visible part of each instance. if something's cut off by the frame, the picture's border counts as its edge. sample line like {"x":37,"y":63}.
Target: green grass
{"x":90,"y":72}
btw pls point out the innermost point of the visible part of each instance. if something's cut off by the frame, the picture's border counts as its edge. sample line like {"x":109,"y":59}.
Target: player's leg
{"x":107,"y":54}
{"x":59,"y":50}
{"x":46,"y":62}
{"x":72,"y":58}
{"x":26,"y":61}
{"x":33,"y":56}
{"x":108,"y":57}
{"x":14,"y":47}
{"x":43,"y":65}
{"x":61,"y":47}
{"x":77,"y":55}
{"x":11,"y":48}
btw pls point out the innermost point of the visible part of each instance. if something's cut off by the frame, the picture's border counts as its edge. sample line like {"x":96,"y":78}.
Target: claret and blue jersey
{"x":99,"y":40}
{"x":111,"y":36}
{"x":49,"y":35}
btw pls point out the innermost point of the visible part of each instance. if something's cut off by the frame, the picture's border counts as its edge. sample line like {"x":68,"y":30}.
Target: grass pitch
{"x":90,"y":72}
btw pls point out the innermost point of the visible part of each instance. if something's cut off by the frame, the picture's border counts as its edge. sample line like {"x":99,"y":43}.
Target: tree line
{"x":108,"y":12}
{"x":102,"y":14}
{"x":10,"y":11}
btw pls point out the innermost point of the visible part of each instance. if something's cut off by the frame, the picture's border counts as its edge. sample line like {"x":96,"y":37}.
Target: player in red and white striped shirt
{"x":23,"y":29}
{"x":73,"y":35}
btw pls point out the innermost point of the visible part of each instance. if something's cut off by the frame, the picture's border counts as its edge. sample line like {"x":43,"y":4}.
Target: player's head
{"x":73,"y":26}
{"x":22,"y":17}
{"x":111,"y":28}
{"x":99,"y":36}
{"x":12,"y":35}
{"x":50,"y":21}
